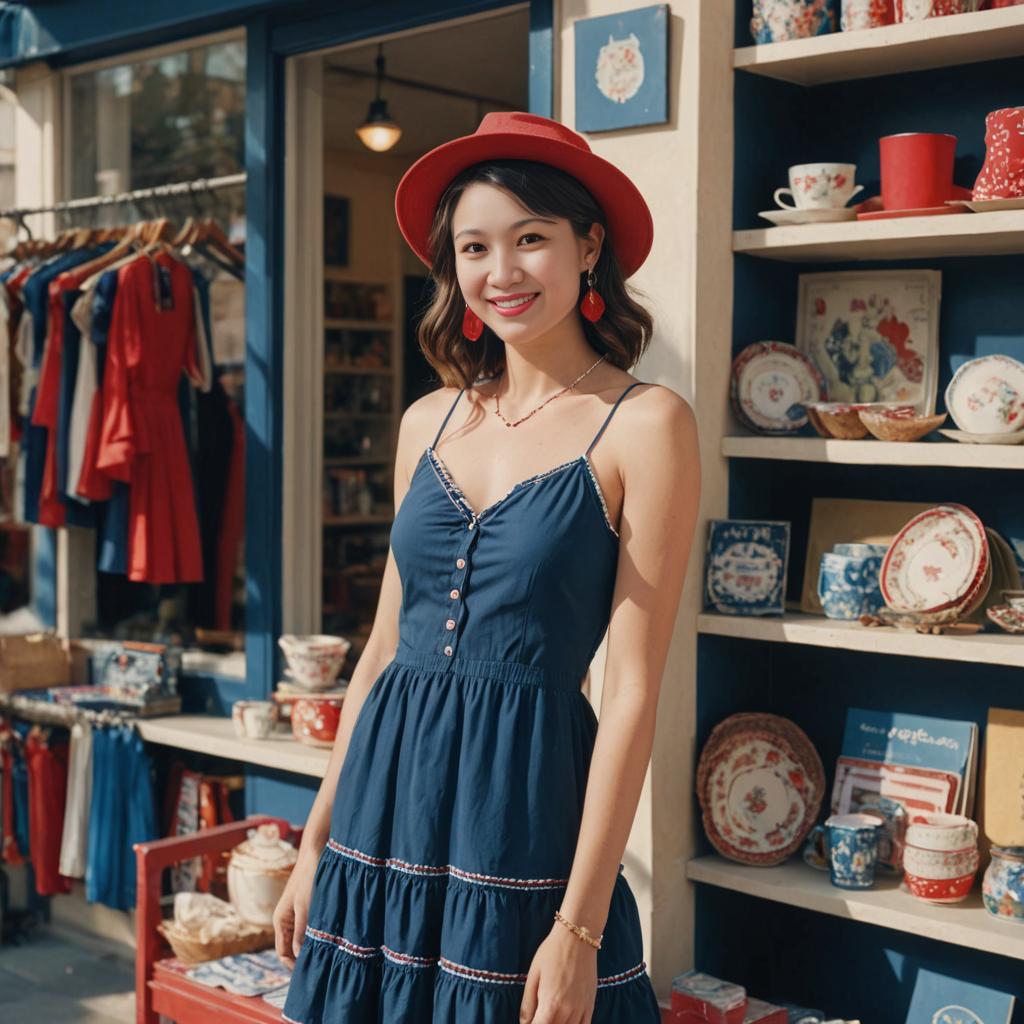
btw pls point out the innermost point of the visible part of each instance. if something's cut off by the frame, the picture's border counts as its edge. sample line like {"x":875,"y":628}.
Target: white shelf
{"x":207,"y":734}
{"x":797,"y":885}
{"x":998,"y":233}
{"x":229,"y":666}
{"x":875,"y":453}
{"x":818,"y":631}
{"x":894,"y":49}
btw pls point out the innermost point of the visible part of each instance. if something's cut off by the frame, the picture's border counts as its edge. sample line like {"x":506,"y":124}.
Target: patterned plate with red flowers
{"x":771,"y":383}
{"x":936,"y":561}
{"x":760,"y":784}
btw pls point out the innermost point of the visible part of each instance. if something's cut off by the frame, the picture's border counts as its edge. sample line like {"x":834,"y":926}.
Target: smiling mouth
{"x":513,"y":303}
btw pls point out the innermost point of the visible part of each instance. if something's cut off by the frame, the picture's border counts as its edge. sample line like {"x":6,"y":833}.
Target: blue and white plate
{"x":746,"y":566}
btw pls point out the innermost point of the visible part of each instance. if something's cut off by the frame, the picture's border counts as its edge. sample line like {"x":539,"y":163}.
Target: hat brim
{"x":630,"y":226}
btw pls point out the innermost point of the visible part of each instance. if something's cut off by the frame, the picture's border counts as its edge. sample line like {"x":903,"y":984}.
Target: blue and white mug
{"x":853,"y":849}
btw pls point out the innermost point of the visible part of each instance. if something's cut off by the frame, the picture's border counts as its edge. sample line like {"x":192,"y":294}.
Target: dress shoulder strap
{"x":444,"y":422}
{"x":612,"y":412}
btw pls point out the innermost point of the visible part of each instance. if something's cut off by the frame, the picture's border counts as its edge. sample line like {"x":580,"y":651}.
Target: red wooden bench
{"x":161,"y":986}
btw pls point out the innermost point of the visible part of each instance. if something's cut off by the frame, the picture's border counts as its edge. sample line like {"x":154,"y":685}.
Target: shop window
{"x":166,"y":118}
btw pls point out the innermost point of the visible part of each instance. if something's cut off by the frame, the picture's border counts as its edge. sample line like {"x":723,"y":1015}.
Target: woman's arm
{"x":661,"y":485}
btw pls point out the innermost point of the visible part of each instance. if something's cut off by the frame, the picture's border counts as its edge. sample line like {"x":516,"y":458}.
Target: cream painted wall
{"x":369,"y":182}
{"x":684,"y":169}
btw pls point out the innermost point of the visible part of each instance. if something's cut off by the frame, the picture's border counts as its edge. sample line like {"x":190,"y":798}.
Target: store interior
{"x":436,"y":86}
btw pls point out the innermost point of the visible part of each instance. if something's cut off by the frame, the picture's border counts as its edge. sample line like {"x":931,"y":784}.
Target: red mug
{"x":917,"y":170}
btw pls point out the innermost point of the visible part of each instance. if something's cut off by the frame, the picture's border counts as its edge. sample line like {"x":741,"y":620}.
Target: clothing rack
{"x":63,"y":714}
{"x":179,"y":188}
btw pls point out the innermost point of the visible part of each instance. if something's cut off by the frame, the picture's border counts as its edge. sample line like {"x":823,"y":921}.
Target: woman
{"x":465,"y":868}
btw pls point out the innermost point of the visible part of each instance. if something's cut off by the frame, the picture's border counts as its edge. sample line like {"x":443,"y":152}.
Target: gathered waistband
{"x":497,"y":671}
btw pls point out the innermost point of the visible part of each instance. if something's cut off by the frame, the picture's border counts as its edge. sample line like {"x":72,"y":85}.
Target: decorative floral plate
{"x":965,"y":438}
{"x":760,"y":784}
{"x":746,"y":566}
{"x":771,"y":383}
{"x":1007,"y":617}
{"x":936,"y":561}
{"x":986,"y":396}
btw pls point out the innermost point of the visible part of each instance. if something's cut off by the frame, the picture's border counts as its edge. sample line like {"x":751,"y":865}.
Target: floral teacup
{"x":819,"y":187}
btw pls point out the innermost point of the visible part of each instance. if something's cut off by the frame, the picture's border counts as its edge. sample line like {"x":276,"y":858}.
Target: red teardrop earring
{"x":472,"y":325}
{"x":592,"y":306}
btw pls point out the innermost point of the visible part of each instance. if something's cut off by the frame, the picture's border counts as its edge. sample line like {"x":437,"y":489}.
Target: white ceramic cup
{"x":942,"y":832}
{"x":935,"y":864}
{"x":259,"y":719}
{"x":819,"y":187}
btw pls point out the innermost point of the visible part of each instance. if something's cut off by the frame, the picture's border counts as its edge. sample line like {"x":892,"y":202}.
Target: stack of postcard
{"x":896,"y":765}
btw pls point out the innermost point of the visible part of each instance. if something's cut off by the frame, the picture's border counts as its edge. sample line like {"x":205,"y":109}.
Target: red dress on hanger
{"x":142,"y":440}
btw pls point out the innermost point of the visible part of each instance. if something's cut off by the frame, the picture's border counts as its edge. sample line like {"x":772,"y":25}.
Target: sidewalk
{"x":50,"y":980}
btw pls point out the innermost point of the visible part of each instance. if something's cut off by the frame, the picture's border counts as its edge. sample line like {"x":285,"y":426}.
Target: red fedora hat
{"x":519,"y":136}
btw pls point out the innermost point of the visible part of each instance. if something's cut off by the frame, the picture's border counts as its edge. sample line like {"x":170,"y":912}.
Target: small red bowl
{"x":315,"y":720}
{"x":940,"y":890}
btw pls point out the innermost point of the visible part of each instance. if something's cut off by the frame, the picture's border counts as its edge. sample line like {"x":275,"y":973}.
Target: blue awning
{"x":67,"y":31}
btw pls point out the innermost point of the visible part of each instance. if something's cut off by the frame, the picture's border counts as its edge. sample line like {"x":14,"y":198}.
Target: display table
{"x":207,"y":734}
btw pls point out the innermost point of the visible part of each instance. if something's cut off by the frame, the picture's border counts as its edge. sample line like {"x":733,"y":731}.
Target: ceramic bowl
{"x":314,"y":660}
{"x":940,"y":890}
{"x":1014,"y":598}
{"x":898,"y":424}
{"x":254,"y":719}
{"x":836,"y":420}
{"x":942,"y":832}
{"x":940,"y":863}
{"x":315,"y":720}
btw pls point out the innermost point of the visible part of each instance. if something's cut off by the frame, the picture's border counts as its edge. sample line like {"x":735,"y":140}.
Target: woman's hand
{"x":561,"y":985}
{"x":291,"y":911}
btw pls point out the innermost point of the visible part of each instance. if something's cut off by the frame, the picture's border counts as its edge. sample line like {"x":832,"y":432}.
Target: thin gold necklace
{"x":568,"y":387}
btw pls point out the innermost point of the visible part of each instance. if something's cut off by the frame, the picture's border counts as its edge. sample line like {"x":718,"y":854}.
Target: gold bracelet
{"x":580,"y":930}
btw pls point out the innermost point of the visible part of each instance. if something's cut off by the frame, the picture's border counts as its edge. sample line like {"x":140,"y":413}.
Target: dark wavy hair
{"x":621,"y":335}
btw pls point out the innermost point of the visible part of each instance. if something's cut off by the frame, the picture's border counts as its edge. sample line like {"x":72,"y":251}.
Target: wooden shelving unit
{"x":934,"y":43}
{"x":206,"y":734}
{"x":959,"y":234}
{"x":818,"y":631}
{"x":886,"y":905}
{"x":356,"y":519}
{"x":875,"y":453}
{"x":725,"y":679}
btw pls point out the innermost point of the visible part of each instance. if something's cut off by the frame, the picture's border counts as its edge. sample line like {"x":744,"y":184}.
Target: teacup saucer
{"x":1016,"y":437}
{"x":985,"y":205}
{"x":781,"y":217}
{"x":924,"y":211}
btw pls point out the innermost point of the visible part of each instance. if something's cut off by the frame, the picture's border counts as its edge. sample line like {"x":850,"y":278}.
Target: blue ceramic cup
{"x":853,"y":849}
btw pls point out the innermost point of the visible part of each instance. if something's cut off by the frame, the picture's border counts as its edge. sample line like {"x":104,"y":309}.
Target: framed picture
{"x":622,"y":69}
{"x":336,"y":231}
{"x":874,"y":334}
{"x":746,"y":566}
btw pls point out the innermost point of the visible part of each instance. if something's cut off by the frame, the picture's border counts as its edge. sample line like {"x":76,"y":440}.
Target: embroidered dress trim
{"x":456,"y":492}
{"x":396,"y":864}
{"x":459,"y":970}
{"x":600,"y":495}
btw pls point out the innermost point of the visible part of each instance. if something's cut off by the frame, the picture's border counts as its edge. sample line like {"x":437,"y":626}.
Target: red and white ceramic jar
{"x":1002,"y":175}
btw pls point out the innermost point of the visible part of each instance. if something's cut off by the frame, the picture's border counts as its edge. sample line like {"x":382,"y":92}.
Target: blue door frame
{"x":270,"y":42}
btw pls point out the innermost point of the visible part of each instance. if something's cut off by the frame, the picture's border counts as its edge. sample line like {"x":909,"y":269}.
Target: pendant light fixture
{"x":378,"y":132}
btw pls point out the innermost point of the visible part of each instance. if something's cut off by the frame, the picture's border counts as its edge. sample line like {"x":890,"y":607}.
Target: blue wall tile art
{"x":622,"y":69}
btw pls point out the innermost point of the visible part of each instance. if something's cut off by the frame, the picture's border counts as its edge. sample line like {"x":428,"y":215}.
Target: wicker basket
{"x":190,"y":951}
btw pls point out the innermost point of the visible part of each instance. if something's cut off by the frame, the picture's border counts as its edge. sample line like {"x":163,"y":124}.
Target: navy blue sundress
{"x":460,"y":797}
